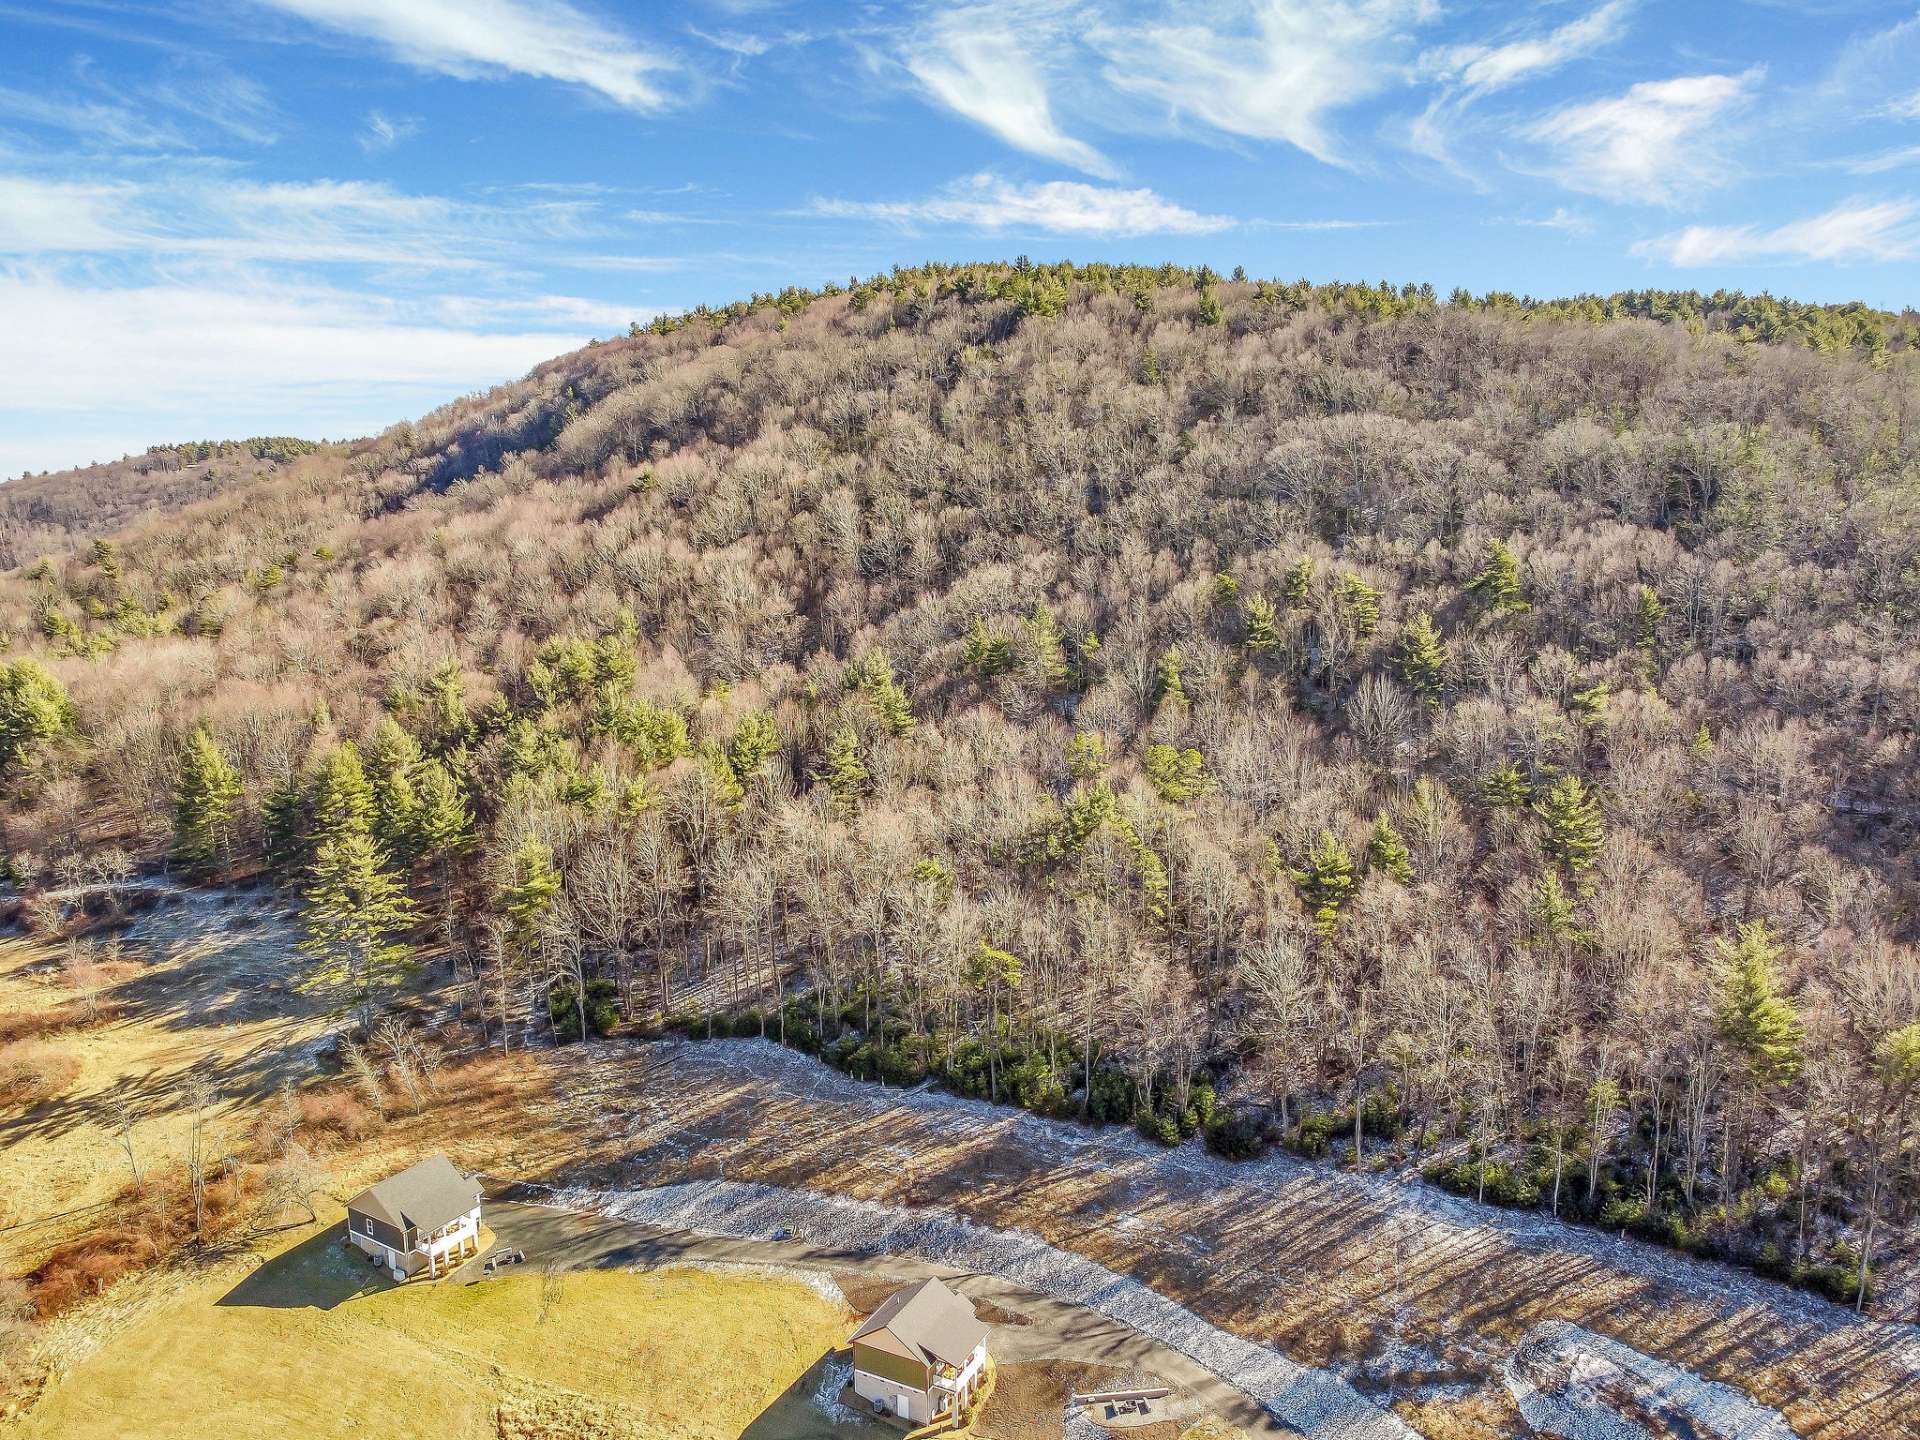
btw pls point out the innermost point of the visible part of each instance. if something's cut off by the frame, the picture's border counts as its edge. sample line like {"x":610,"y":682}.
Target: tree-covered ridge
{"x":1045,"y":289}
{"x":1468,"y":735}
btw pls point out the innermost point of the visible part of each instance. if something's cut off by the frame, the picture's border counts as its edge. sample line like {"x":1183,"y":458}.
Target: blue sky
{"x":314,"y":217}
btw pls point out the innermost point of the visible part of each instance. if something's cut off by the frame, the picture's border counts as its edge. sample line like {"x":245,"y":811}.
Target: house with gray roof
{"x":920,"y":1355}
{"x":424,"y":1220}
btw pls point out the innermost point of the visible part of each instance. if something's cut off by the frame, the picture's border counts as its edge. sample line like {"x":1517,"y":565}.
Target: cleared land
{"x":314,"y":1343}
{"x":1419,"y":1300}
{"x":207,"y":981}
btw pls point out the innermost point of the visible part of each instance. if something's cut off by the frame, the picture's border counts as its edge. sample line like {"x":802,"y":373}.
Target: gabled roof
{"x":425,"y":1195}
{"x":930,"y":1320}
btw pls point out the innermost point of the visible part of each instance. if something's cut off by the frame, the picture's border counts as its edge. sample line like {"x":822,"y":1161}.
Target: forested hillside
{"x":1481,"y":732}
{"x":60,"y":511}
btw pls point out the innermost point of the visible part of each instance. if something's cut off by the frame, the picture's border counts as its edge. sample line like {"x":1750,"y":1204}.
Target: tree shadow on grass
{"x":319,"y":1273}
{"x":792,"y":1414}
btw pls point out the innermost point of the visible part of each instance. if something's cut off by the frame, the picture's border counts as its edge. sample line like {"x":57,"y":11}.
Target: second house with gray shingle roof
{"x":425,"y":1220}
{"x":921,"y":1354}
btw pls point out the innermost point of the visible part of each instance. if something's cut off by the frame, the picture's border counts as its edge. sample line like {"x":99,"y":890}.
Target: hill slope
{"x":1501,"y":714}
{"x":59,"y":511}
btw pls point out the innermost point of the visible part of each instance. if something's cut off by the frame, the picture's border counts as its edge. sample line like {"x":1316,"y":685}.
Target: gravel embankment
{"x":1311,"y":1401}
{"x":1572,"y":1383}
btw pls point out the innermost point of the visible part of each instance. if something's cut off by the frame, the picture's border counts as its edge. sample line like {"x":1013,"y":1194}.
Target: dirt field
{"x":314,"y":1343}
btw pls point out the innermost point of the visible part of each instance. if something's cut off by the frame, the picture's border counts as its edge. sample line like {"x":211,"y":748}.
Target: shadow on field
{"x":319,"y":1273}
{"x":792,"y":1415}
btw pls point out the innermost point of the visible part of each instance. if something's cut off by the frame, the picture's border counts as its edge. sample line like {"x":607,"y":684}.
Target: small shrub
{"x":337,"y":1113}
{"x":1237,"y":1135}
{"x":1312,"y":1136}
{"x":32,"y":1072}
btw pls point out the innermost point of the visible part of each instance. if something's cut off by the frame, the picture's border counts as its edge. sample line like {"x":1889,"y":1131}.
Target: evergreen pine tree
{"x":1167,"y":688}
{"x":1178,"y":775}
{"x":283,"y":821}
{"x":1387,"y":851}
{"x":1047,"y":653}
{"x":1552,"y":912}
{"x":1362,"y":604}
{"x":1299,"y":583}
{"x":392,"y":762}
{"x":443,"y":830}
{"x":1325,"y":882}
{"x":1572,"y":816}
{"x":756,"y":740}
{"x":448,"y":724}
{"x":532,"y":883}
{"x":1507,"y":787}
{"x":1423,"y":656}
{"x":356,"y":910}
{"x":1087,"y":755}
{"x":1649,"y":612}
{"x":1757,"y":1022}
{"x":1498,"y":582}
{"x":1263,"y":629}
{"x":342,"y":796}
{"x":987,"y":654}
{"x":34,"y":712}
{"x":204,"y":805}
{"x":844,"y":775}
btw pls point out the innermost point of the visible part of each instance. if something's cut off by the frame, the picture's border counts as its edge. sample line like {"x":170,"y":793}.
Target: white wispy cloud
{"x":473,"y":39}
{"x":1852,"y":231}
{"x":186,"y":213}
{"x":1653,"y":143}
{"x":89,"y":371}
{"x":1058,"y":207}
{"x":985,"y":63}
{"x":383,"y":132}
{"x":1562,"y":219}
{"x":1481,"y":69}
{"x":1886,"y":160}
{"x":1268,"y":70}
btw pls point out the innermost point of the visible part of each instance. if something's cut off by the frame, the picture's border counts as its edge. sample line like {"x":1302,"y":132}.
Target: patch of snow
{"x":835,"y":1376}
{"x":1311,"y":1401}
{"x":1570,"y":1382}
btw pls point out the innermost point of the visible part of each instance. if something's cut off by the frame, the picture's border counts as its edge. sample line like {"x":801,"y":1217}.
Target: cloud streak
{"x":1852,"y":231}
{"x":1058,"y":207}
{"x":982,"y":63}
{"x":1653,"y":143}
{"x":478,"y":39}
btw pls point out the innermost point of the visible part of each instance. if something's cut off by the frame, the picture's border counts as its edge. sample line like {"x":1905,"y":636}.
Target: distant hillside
{"x":59,"y":511}
{"x":1472,"y":733}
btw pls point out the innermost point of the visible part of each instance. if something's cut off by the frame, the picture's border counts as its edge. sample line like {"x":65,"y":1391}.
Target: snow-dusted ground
{"x":1572,"y":1383}
{"x":1313,"y":1402}
{"x":1192,"y":1168}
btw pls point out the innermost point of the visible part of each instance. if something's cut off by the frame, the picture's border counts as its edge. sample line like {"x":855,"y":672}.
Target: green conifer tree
{"x":1498,"y":583}
{"x":342,"y":796}
{"x":1263,"y":627}
{"x":355,"y":914}
{"x":1387,"y":851}
{"x":1362,"y":604}
{"x":1422,"y":655}
{"x":1299,"y":583}
{"x":206,"y":801}
{"x":1757,"y":1023}
{"x":1046,"y":652}
{"x":34,"y":712}
{"x":283,"y":822}
{"x":1574,"y":829}
{"x":1649,"y":613}
{"x":1507,"y":787}
{"x":756,"y":740}
{"x":392,"y":763}
{"x":1167,"y":688}
{"x":1178,"y":775}
{"x":843,"y":773}
{"x":443,"y":830}
{"x":1325,"y":882}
